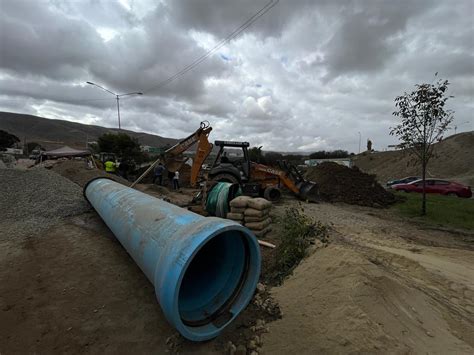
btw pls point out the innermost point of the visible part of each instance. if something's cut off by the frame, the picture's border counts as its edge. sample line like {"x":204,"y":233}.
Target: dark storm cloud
{"x":222,"y":18}
{"x":37,"y":41}
{"x":369,"y":35}
{"x":56,"y":46}
{"x":308,"y":75}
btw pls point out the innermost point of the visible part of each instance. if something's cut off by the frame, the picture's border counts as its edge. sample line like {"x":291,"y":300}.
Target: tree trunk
{"x":423,"y":203}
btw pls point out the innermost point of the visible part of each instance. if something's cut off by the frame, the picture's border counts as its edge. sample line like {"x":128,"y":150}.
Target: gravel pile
{"x":31,"y":201}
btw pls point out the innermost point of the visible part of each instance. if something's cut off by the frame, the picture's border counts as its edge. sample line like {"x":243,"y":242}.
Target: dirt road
{"x":382,"y":285}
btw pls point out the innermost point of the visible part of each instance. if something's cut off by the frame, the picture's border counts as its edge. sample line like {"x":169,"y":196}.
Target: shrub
{"x":298,"y":232}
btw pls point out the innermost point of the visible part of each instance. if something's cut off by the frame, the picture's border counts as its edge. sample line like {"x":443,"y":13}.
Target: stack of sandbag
{"x":257,"y":216}
{"x":237,"y":208}
{"x":254,"y":213}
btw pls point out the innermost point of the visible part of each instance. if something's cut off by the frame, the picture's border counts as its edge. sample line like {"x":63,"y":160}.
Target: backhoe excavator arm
{"x":201,"y":154}
{"x":187,"y":142}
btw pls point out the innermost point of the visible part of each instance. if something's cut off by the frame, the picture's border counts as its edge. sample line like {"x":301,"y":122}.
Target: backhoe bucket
{"x":174,"y":164}
{"x":308,"y":191}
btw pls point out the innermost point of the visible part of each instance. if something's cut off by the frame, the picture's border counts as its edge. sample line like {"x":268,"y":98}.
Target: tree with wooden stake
{"x":424,"y":119}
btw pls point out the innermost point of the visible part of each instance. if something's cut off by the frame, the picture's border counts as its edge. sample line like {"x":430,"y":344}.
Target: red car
{"x":435,"y":186}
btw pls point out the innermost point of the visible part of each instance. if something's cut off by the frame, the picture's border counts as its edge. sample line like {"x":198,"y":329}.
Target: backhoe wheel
{"x":225,"y":178}
{"x":272,"y":194}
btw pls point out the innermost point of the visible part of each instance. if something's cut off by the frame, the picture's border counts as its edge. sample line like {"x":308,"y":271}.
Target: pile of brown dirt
{"x":77,"y":171}
{"x":338,"y":183}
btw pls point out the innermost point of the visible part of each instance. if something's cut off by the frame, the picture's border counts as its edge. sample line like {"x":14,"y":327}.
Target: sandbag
{"x":251,"y":212}
{"x":259,"y":203}
{"x":240,"y":202}
{"x":259,"y":225}
{"x":235,"y":216}
{"x":255,"y":219}
{"x":237,"y":209}
{"x":263,"y":232}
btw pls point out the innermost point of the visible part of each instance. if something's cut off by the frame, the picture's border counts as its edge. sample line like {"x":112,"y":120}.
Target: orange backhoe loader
{"x":258,"y":179}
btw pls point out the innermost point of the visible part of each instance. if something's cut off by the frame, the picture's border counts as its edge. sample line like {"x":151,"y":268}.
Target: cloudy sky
{"x":308,"y":75}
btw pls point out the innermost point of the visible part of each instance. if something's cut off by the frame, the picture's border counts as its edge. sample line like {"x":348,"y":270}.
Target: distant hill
{"x":453,"y":159}
{"x":48,"y":131}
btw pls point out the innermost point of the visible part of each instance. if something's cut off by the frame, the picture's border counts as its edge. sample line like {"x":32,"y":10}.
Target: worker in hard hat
{"x":110,"y":167}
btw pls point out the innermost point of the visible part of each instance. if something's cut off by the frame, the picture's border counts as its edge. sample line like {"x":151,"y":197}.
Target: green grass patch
{"x":441,"y":210}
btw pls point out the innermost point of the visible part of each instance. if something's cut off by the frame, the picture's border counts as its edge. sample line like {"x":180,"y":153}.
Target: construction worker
{"x":110,"y":167}
{"x":176,"y":180}
{"x":159,"y":174}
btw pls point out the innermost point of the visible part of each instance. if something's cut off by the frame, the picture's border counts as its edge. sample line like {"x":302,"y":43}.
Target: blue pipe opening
{"x":213,"y":280}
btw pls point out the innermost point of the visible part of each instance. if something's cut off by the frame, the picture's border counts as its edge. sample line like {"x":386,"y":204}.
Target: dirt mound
{"x":453,"y":159}
{"x":338,"y":183}
{"x":78,"y":172}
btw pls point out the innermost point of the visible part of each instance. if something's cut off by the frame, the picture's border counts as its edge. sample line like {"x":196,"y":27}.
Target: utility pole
{"x":118,"y":110}
{"x":117,"y":97}
{"x":359,"y":141}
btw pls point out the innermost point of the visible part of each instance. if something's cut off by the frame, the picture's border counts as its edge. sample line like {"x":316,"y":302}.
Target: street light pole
{"x":117,"y":97}
{"x":118,"y":110}
{"x":359,"y":141}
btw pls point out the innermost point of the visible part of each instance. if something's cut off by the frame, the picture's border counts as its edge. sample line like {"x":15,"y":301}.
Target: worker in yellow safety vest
{"x":110,"y":167}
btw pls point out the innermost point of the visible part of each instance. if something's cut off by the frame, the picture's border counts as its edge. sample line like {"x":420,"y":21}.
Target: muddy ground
{"x":381,"y":285}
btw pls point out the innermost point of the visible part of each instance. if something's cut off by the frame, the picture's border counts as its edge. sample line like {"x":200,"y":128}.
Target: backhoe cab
{"x":233,"y":169}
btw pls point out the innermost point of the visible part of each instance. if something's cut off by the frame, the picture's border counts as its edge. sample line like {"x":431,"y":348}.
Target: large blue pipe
{"x":204,"y":269}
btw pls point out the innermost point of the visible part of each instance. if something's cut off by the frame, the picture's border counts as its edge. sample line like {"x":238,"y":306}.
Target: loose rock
{"x":34,"y":200}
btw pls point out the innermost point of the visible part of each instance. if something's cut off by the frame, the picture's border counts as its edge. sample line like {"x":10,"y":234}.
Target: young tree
{"x":256,"y":155}
{"x":121,"y":144}
{"x":30,"y":146}
{"x":424,"y":119}
{"x":7,"y":140}
{"x":272,"y":158}
{"x":334,"y":154}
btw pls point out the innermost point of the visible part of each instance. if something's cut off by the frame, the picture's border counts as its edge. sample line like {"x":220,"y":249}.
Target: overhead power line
{"x":219,"y":45}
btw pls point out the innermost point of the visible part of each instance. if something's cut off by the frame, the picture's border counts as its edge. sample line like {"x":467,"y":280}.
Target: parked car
{"x":436,"y":186}
{"x":403,"y":181}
